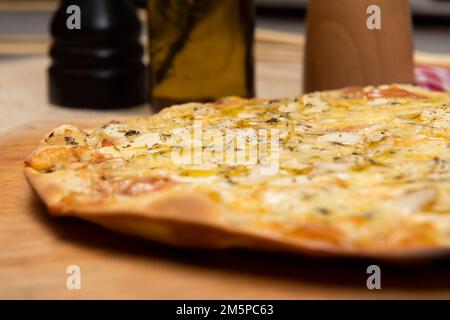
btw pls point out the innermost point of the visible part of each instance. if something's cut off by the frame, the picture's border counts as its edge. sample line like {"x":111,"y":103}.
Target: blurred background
{"x":279,"y":49}
{"x":431,"y":20}
{"x":24,"y":24}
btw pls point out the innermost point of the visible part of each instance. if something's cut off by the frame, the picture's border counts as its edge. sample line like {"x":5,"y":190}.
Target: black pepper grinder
{"x":96,"y":55}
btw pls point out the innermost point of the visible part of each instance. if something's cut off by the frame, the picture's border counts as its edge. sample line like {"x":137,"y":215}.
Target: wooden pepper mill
{"x":99,"y":64}
{"x":342,"y":50}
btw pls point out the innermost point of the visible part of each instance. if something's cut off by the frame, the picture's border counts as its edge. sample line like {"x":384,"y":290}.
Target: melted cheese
{"x":344,"y":160}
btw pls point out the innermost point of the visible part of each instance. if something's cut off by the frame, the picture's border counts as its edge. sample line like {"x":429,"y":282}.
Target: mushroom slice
{"x":413,"y":202}
{"x":344,"y":138}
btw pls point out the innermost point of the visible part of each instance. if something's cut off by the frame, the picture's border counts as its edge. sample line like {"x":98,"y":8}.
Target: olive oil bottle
{"x":200,"y":50}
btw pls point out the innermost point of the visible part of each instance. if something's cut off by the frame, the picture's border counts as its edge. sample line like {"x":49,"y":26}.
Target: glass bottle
{"x":200,"y":50}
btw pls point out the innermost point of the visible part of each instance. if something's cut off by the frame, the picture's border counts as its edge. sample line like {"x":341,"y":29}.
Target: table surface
{"x":35,"y":250}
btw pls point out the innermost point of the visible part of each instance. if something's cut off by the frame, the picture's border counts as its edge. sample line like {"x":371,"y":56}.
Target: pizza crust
{"x":191,"y":220}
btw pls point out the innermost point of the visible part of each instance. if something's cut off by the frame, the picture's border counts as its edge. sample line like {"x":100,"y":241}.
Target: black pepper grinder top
{"x":96,"y":55}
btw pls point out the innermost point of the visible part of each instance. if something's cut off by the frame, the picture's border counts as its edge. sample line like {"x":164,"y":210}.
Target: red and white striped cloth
{"x":433,"y":78}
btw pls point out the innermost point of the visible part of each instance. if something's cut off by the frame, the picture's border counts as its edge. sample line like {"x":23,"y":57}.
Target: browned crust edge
{"x":192,"y":220}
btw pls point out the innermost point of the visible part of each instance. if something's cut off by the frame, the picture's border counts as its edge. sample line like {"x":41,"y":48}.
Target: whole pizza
{"x":361,"y":172}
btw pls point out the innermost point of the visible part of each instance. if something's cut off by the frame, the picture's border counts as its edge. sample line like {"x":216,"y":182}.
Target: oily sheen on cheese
{"x":359,"y":171}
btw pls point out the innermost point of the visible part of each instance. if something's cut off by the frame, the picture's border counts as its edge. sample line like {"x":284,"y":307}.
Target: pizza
{"x":357,"y":172}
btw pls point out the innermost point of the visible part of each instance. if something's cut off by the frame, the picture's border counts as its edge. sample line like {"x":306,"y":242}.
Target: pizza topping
{"x":324,"y":211}
{"x":375,"y":133}
{"x":107,"y":142}
{"x":381,"y":147}
{"x":114,"y":130}
{"x":140,"y":186}
{"x":70,"y":140}
{"x":66,"y":135}
{"x":132,"y":187}
{"x":147,"y":140}
{"x":441,"y":168}
{"x":353,"y":92}
{"x":341,"y":138}
{"x":415,"y":201}
{"x":290,"y":107}
{"x":331,"y":167}
{"x":314,"y":104}
{"x":131,"y":133}
{"x":110,"y":123}
{"x":53,"y":157}
{"x":204,"y":111}
{"x":391,"y":92}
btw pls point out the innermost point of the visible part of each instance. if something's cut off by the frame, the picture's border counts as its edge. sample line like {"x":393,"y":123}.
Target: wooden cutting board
{"x":35,"y":251}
